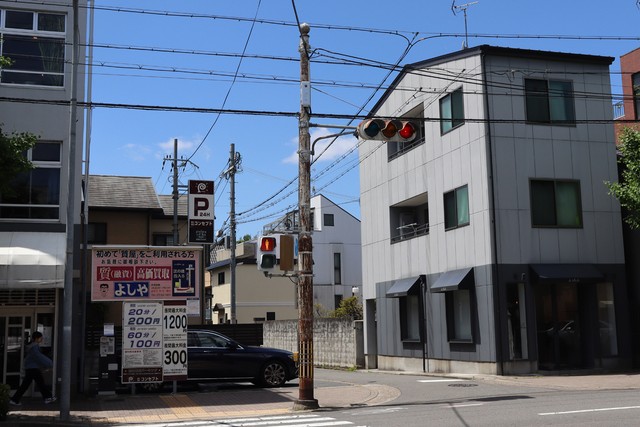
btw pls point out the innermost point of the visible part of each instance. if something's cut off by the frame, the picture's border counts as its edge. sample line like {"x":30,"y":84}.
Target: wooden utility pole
{"x":305,"y":244}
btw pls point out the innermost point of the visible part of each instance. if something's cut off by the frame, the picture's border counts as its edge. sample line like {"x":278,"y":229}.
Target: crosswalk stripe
{"x":301,"y":420}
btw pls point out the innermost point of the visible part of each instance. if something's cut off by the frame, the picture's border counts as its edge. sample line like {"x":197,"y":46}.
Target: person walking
{"x":34,"y":361}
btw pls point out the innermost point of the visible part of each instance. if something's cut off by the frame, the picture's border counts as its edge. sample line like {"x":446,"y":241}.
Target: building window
{"x":337,"y":269}
{"x":459,"y":328}
{"x":409,"y":219}
{"x":271,"y":315}
{"x":97,"y":233}
{"x":36,"y":193}
{"x":635,"y":81}
{"x":337,"y":299}
{"x":163,"y":239}
{"x":451,"y":111}
{"x":555,"y":203}
{"x":328,"y":220}
{"x":456,"y":208}
{"x":35,"y":43}
{"x":549,"y":101}
{"x":221,"y":278}
{"x":410,"y":317}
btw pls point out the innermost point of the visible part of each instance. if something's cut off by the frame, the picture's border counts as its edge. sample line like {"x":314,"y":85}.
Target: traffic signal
{"x":388,"y":130}
{"x":267,"y":258}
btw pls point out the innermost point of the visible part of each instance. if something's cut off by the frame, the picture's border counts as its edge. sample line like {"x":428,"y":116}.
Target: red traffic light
{"x":267,"y":244}
{"x":387,"y":130}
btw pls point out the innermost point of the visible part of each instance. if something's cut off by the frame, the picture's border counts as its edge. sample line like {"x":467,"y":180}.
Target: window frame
{"x":452,"y":301}
{"x":454,"y":110}
{"x":409,"y":307}
{"x":534,"y":99}
{"x":40,"y":165}
{"x":328,"y":220}
{"x":221,"y":278}
{"x":535,"y":223}
{"x":635,"y":90}
{"x":458,"y":223}
{"x":11,"y":37}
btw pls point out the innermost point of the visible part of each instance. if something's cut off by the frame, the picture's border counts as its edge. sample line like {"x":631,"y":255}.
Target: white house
{"x":337,"y":269}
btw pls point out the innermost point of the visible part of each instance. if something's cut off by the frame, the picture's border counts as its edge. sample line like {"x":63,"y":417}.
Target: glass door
{"x":558,"y":326}
{"x":15,"y":332}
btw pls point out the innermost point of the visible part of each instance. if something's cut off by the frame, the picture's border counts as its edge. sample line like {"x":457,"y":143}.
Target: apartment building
{"x":514,"y":262}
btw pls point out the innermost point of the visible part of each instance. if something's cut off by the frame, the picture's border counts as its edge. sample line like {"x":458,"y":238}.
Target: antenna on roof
{"x":463,"y":8}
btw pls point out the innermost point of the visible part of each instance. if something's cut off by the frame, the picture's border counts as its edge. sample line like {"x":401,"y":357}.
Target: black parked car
{"x":213,"y":356}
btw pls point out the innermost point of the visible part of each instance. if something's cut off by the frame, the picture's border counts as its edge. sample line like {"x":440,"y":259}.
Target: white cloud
{"x":339,"y":146}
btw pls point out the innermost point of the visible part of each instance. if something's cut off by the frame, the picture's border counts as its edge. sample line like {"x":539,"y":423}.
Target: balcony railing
{"x":409,"y":231}
{"x":618,"y":110}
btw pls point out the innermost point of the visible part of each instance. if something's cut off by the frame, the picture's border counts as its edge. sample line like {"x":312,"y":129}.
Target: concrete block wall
{"x":337,"y":343}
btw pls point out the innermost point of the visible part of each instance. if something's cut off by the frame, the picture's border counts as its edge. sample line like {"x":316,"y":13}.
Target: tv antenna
{"x":463,"y":8}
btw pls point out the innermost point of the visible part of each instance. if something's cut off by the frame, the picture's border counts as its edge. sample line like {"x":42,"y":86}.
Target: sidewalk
{"x":227,"y":402}
{"x":159,"y":408}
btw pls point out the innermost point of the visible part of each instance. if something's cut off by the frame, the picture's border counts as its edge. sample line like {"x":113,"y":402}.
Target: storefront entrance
{"x":16,"y":327}
{"x":575,"y":325}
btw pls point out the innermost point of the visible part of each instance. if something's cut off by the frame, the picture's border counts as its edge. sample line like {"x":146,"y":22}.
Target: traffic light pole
{"x":305,"y":244}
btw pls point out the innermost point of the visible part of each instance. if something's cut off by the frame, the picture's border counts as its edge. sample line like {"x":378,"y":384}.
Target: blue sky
{"x":192,"y":51}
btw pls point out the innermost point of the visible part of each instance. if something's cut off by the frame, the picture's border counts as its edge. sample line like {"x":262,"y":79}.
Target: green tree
{"x":12,"y":158}
{"x":627,"y":190}
{"x":348,"y":308}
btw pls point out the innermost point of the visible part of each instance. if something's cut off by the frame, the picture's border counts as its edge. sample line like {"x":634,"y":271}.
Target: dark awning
{"x":402,"y":287}
{"x":567,"y":272}
{"x":451,"y":280}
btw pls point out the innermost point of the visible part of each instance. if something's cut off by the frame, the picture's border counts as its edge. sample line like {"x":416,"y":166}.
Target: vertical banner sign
{"x":142,"y":342}
{"x":200,"y":212}
{"x":174,"y":326}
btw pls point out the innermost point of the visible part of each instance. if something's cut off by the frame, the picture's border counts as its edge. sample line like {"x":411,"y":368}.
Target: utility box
{"x":108,"y":366}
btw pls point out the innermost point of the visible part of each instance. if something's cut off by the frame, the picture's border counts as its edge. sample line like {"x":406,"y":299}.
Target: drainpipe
{"x":492,"y":216}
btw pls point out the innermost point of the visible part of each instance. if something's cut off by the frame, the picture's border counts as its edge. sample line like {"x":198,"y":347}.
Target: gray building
{"x":490,"y":244}
{"x":35,"y":91}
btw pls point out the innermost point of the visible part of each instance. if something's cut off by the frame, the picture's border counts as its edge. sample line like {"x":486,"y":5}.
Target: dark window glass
{"x":19,"y":20}
{"x":51,"y":22}
{"x":36,"y":60}
{"x":45,"y":186}
{"x":44,"y":152}
{"x":456,"y":208}
{"x":337,"y":269}
{"x":271,"y":315}
{"x":328,"y":220}
{"x":221,"y":278}
{"x":451,"y":111}
{"x":635,"y":81}
{"x":97,"y":233}
{"x":555,"y":204}
{"x":410,"y":318}
{"x":549,"y":101}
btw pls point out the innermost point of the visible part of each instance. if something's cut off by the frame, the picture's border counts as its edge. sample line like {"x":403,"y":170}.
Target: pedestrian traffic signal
{"x":388,"y":130}
{"x":267,"y":258}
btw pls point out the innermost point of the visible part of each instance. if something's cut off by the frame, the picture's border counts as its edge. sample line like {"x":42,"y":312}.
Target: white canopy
{"x":32,"y":260}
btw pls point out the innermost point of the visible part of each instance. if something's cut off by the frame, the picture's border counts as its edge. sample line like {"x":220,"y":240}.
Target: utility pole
{"x":67,"y":317}
{"x":176,"y":163}
{"x":233,"y":163}
{"x":305,"y":243}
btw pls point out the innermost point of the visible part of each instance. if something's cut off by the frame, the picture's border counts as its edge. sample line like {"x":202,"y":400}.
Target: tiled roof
{"x":129,"y":192}
{"x":166,"y":200}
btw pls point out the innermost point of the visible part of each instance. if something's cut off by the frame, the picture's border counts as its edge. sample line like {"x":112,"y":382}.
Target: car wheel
{"x":149,"y":387}
{"x":274,"y":374}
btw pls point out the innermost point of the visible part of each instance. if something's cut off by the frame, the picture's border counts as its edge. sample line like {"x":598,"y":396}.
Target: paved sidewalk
{"x":226,"y":402}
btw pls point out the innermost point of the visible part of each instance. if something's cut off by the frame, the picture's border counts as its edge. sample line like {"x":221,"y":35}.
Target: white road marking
{"x":447,"y":380}
{"x":462,"y":405}
{"x":621,"y":408}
